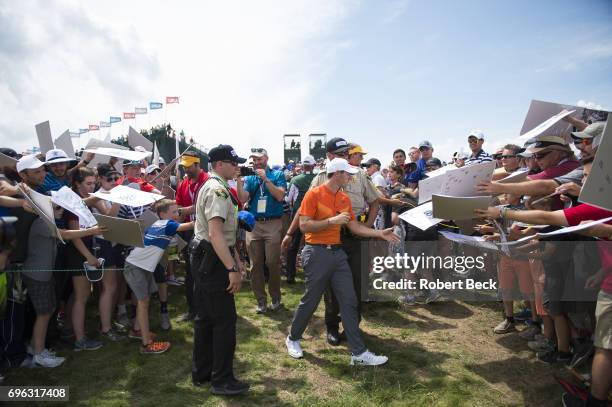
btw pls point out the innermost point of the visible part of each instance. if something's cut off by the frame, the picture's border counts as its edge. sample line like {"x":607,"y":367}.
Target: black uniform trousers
{"x":214,"y":339}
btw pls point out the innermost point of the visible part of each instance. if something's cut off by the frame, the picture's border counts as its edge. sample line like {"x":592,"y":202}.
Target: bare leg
{"x":106,"y":302}
{"x":142,"y":318}
{"x":39,"y":332}
{"x":82,"y":291}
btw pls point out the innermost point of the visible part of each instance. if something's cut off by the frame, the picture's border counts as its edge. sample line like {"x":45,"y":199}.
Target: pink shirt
{"x":562,"y":168}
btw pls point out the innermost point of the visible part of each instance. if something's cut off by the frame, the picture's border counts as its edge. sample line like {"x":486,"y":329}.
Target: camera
{"x":246,"y":171}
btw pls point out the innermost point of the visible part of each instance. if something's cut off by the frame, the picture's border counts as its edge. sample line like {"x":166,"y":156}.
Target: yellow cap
{"x":357,"y":149}
{"x":188,"y":160}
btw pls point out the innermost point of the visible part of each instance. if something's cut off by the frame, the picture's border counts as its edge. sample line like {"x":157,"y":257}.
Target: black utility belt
{"x":326,"y":246}
{"x":262,"y":219}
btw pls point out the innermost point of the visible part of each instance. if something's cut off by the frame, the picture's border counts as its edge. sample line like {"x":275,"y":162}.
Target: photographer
{"x":265,"y":193}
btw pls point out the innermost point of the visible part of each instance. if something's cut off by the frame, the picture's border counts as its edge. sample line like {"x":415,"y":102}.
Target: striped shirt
{"x":478,"y":158}
{"x":157,"y":238}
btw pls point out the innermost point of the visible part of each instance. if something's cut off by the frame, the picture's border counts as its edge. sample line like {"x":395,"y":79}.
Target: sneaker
{"x":123,"y":320}
{"x":164,"y":321}
{"x":504,"y":327}
{"x":172,"y":280}
{"x":367,"y":358}
{"x":87,"y":344}
{"x":59,"y":319}
{"x":155,"y":348}
{"x":583,"y":351}
{"x":276,"y":305}
{"x":231,"y":388}
{"x":530,"y":332}
{"x":133,"y":334}
{"x":541,"y":346}
{"x":407,"y":299}
{"x":112,"y":335}
{"x":48,"y":359}
{"x":30,"y":350}
{"x":294,"y":348}
{"x":554,"y":356}
{"x":261,"y":308}
{"x":434,"y":295}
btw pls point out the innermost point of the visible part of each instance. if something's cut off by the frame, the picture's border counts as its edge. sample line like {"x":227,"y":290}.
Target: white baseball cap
{"x":151,"y":168}
{"x":340,"y":164}
{"x":308,"y":160}
{"x":140,"y":149}
{"x":162,"y":161}
{"x":476,"y":133}
{"x":29,"y":162}
{"x":57,"y":156}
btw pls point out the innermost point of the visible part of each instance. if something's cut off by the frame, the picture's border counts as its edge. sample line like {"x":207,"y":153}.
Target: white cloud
{"x":246,"y":72}
{"x":394,"y":10}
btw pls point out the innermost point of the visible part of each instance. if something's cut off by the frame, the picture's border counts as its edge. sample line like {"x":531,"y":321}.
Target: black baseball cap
{"x":105,"y":170}
{"x":336,"y":145}
{"x":372,"y":161}
{"x":433,"y":162}
{"x":225,"y":152}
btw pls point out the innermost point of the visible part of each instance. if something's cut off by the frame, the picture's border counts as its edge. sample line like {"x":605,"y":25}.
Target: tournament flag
{"x":155,"y":105}
{"x":140,"y":110}
{"x":129,"y":115}
{"x":105,"y":124}
{"x":172,"y":99}
{"x":93,"y":127}
{"x":115,"y":119}
{"x":82,"y":131}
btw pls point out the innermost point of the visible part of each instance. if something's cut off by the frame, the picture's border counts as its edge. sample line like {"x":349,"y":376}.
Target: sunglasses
{"x":423,"y":148}
{"x":232,"y":163}
{"x":577,"y":142}
{"x":112,"y":179}
{"x":539,"y":156}
{"x":507,"y":156}
{"x":342,"y":154}
{"x":258,"y":150}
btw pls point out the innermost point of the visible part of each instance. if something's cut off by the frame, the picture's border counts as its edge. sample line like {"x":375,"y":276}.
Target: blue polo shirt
{"x":418,"y":174}
{"x":255,"y":186}
{"x":52,"y":183}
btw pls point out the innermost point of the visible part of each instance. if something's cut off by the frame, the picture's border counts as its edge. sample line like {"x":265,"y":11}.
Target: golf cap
{"x":308,"y":160}
{"x":336,"y":145}
{"x":340,"y":164}
{"x":29,"y":162}
{"x":225,"y":152}
{"x":591,"y":131}
{"x":57,"y":156}
{"x":476,"y":133}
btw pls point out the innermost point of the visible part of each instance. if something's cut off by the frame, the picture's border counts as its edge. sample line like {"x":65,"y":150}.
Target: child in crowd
{"x":140,"y":266}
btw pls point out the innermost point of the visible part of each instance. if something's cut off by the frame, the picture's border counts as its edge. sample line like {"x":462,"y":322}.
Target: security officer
{"x":217,"y":273}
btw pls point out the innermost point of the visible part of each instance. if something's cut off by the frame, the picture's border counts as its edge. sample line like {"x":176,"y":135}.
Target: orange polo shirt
{"x":322,"y":203}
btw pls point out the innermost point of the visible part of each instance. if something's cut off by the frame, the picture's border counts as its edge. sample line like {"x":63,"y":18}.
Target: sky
{"x":385,"y":74}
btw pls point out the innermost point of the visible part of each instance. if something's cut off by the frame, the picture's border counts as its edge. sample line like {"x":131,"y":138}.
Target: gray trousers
{"x":323,"y":267}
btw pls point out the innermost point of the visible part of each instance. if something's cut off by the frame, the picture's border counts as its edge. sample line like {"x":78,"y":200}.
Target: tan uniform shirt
{"x":360,"y":189}
{"x":214,"y":200}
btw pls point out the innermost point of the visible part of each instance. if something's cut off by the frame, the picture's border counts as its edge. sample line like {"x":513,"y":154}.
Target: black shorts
{"x":112,"y":255}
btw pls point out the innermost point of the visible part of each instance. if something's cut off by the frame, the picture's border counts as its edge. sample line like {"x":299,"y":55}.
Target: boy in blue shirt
{"x":140,"y":265}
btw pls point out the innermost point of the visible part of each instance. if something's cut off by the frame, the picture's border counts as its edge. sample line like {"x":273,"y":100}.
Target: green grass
{"x":444,"y":354}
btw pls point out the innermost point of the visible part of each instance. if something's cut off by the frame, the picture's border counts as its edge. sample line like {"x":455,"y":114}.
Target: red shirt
{"x":144,"y":186}
{"x":187,"y":191}
{"x":577,"y":214}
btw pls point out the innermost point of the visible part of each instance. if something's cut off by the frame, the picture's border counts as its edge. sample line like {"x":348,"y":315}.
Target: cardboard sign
{"x":458,"y":207}
{"x":115,"y":152}
{"x":45,"y":141}
{"x":124,"y":231}
{"x":136,"y":139}
{"x":64,"y":142}
{"x":43,"y":207}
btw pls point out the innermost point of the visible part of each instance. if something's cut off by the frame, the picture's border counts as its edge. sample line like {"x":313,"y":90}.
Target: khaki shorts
{"x":603,"y":314}
{"x":139,"y":280}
